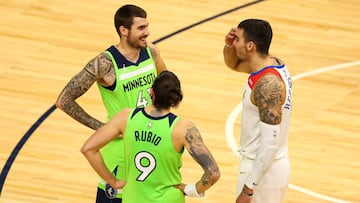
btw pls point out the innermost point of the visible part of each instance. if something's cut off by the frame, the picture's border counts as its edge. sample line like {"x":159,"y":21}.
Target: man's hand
{"x":245,"y":196}
{"x":119,"y":184}
{"x":180,"y":187}
{"x":229,"y":38}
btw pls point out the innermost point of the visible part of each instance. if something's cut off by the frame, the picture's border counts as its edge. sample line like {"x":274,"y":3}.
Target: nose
{"x":147,"y":31}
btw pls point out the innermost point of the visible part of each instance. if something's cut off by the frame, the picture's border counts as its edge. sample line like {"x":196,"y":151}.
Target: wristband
{"x":190,"y":190}
{"x":247,"y":194}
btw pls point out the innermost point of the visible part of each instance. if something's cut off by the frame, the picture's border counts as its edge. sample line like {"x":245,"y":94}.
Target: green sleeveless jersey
{"x":131,"y":89}
{"x":133,"y":82}
{"x":152,"y":163}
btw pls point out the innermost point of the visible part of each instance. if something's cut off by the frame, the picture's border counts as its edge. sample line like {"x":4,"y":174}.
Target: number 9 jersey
{"x":130,"y":89}
{"x":152,"y":163}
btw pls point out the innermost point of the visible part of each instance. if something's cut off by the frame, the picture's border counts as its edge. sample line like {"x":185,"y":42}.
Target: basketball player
{"x":154,"y":141}
{"x":124,"y":74}
{"x":264,"y":164}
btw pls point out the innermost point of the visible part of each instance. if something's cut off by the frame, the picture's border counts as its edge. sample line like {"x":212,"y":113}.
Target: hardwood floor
{"x":43,"y":43}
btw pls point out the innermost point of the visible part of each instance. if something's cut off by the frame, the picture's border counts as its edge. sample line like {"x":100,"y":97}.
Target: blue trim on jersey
{"x":266,"y":67}
{"x":170,"y":116}
{"x":135,"y":112}
{"x":122,"y":62}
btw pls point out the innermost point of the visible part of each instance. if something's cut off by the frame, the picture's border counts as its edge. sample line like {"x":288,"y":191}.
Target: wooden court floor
{"x":44,"y":43}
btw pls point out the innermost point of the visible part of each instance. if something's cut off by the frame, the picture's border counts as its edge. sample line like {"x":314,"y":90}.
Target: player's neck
{"x":259,"y":62}
{"x":130,"y":53}
{"x":156,"y":112}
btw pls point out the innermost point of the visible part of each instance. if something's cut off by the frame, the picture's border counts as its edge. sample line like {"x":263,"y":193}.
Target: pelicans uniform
{"x":130,"y":89}
{"x":269,"y":187}
{"x":152,"y":163}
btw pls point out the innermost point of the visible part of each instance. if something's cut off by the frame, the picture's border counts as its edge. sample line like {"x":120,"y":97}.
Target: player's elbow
{"x":85,"y":150}
{"x":59,"y":103}
{"x":217,"y":175}
{"x":214,"y":175}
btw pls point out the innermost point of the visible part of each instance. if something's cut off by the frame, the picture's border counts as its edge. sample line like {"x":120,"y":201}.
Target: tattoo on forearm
{"x":201,"y":154}
{"x":76,"y":112}
{"x":80,"y":84}
{"x":268,"y":98}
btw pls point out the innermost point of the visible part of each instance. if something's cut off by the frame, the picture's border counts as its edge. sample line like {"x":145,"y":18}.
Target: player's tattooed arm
{"x":268,"y":96}
{"x":104,"y":70}
{"x":99,"y":69}
{"x":201,"y":155}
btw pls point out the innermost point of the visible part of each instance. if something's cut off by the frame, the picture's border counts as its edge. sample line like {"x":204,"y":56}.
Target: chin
{"x":142,"y":46}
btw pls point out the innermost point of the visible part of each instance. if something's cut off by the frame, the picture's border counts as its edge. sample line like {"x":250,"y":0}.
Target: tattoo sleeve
{"x":104,"y":66}
{"x":268,"y":98}
{"x":95,"y":69}
{"x":202,"y":155}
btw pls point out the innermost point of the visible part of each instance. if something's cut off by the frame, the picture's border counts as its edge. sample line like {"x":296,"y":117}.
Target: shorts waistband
{"x":102,"y":183}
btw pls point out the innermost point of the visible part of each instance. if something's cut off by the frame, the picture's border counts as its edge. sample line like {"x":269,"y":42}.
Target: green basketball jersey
{"x":152,"y":163}
{"x":133,"y":82}
{"x":131,"y":89}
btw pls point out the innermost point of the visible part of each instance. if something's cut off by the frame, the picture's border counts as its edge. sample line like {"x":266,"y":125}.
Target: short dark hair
{"x":124,"y":16}
{"x":167,"y":90}
{"x":259,"y":31}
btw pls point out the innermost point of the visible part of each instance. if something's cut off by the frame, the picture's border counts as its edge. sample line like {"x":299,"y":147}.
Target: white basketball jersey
{"x":250,"y":128}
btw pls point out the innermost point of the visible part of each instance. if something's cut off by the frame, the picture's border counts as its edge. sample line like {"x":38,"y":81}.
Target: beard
{"x":138,"y":43}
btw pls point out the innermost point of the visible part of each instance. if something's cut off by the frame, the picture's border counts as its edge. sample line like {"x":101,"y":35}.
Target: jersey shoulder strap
{"x":254,"y":77}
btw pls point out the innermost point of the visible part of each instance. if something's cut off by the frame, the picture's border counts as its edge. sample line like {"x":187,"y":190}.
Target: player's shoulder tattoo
{"x":192,"y":134}
{"x":267,"y":95}
{"x":100,"y":65}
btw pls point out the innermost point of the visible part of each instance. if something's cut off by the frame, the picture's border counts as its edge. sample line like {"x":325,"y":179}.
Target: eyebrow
{"x":143,"y":26}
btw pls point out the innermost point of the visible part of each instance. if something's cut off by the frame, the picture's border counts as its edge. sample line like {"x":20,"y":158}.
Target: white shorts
{"x":274,"y":184}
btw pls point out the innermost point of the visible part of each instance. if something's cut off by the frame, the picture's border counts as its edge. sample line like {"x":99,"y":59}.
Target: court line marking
{"x":229,"y":126}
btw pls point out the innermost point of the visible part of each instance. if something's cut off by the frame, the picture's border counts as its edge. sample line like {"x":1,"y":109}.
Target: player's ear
{"x":152,"y":95}
{"x":124,"y":31}
{"x":250,"y":45}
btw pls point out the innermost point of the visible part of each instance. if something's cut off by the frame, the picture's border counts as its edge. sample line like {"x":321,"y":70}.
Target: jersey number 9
{"x":145,"y":163}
